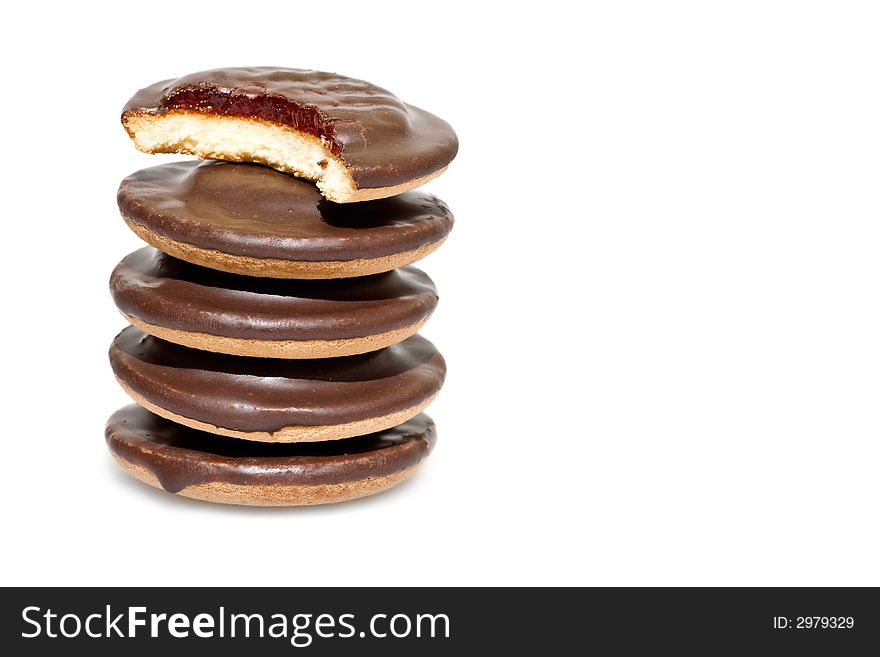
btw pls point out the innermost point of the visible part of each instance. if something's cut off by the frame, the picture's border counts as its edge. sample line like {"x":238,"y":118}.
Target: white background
{"x":659,"y":304}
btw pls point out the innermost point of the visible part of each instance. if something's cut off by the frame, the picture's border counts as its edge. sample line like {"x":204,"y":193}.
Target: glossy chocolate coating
{"x":268,"y":394}
{"x":251,"y":210}
{"x":179,"y":456}
{"x":168,"y":292}
{"x":382,"y":140}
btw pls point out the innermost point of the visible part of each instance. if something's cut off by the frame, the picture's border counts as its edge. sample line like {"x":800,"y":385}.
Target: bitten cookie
{"x":357,"y":141}
{"x":276,"y":400}
{"x":251,"y":220}
{"x":271,"y":318}
{"x":202,"y":466}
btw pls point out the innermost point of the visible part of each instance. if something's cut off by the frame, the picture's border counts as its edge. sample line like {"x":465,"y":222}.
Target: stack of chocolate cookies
{"x":273,"y":349}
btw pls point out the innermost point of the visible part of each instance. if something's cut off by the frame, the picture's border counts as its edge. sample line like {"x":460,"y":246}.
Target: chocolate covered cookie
{"x":278,"y":400}
{"x":252,"y":220}
{"x":357,"y":141}
{"x":272,"y":318}
{"x":206,"y":467}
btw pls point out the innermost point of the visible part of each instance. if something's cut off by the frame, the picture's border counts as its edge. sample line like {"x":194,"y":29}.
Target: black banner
{"x":284,"y":621}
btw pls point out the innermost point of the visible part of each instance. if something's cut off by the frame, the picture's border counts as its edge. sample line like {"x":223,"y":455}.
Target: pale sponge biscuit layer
{"x":275,"y":495}
{"x":238,"y":139}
